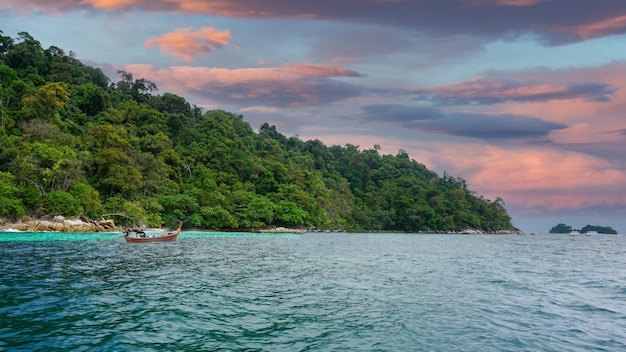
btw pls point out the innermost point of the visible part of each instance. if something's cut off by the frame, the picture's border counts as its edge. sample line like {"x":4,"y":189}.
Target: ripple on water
{"x":315,"y":292}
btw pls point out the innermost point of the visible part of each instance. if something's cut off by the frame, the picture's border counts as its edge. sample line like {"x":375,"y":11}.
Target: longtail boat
{"x":142,"y":237}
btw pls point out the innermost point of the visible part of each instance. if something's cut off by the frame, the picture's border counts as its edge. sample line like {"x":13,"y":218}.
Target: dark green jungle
{"x":77,"y":144}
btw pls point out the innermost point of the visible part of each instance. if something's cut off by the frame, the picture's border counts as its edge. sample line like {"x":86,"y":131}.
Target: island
{"x":587,"y":229}
{"x":76,"y":145}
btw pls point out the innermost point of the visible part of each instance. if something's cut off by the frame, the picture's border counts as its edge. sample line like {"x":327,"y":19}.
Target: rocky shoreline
{"x":60,"y":224}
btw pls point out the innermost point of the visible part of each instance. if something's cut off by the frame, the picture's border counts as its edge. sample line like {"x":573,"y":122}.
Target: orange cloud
{"x":109,"y":4}
{"x":198,"y":76}
{"x":187,"y":44}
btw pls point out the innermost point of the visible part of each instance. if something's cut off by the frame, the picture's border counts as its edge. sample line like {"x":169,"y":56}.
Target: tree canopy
{"x":562,"y":228}
{"x":74,"y":143}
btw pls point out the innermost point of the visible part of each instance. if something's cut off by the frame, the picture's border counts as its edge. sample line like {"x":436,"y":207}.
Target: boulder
{"x":64,"y":225}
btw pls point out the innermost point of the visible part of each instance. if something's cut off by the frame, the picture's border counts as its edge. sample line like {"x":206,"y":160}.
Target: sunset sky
{"x":525,"y":99}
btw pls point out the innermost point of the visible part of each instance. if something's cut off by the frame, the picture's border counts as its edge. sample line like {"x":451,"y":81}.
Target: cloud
{"x":490,"y":126}
{"x":485,"y":91}
{"x":397,"y":113}
{"x":506,"y":2}
{"x":553,"y":21}
{"x":109,"y":4}
{"x":530,"y":178}
{"x":293,"y":85}
{"x":187,"y":43}
{"x":474,"y":125}
{"x":534,"y":177}
{"x":602,"y":28}
{"x":320,"y":70}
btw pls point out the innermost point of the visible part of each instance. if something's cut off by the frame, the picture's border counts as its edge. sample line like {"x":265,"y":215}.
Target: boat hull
{"x":168,"y":237}
{"x":165,"y":238}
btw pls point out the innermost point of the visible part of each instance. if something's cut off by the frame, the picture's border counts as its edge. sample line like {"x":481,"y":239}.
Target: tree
{"x":61,"y":203}
{"x":116,"y":174}
{"x":138,"y":90}
{"x":598,"y":229}
{"x":47,"y":101}
{"x":7,"y":76}
{"x":216,"y":217}
{"x":27,"y":56}
{"x":10,"y":205}
{"x":90,"y":98}
{"x":561,"y":228}
{"x":71,"y":143}
{"x":125,"y":83}
{"x":96,"y":76}
{"x":289,"y":214}
{"x":6,"y":43}
{"x":88,"y":198}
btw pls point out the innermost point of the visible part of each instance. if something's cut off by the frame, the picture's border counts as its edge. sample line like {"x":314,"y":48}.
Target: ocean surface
{"x":313,"y":292}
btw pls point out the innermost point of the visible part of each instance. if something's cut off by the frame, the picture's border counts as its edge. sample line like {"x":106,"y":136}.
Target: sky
{"x":524,"y":99}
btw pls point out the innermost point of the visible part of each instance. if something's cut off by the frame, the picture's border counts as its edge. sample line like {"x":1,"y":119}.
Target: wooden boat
{"x":142,"y":237}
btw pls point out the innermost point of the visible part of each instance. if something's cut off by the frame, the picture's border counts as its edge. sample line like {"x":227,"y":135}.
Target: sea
{"x":312,"y":292}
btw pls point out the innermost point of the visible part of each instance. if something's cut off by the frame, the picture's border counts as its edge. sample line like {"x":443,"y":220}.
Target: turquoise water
{"x":312,"y":292}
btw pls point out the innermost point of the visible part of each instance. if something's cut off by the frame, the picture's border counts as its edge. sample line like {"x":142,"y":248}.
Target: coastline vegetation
{"x":74,"y":143}
{"x":563,"y":228}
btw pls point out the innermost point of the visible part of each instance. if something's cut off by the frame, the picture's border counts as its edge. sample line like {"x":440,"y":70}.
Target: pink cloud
{"x":593,"y":112}
{"x":294,"y":84}
{"x":495,"y":90}
{"x":443,"y":17}
{"x":187,"y":43}
{"x":606,"y":27}
{"x":589,"y":120}
{"x":507,"y":2}
{"x":529,"y":178}
{"x":534,"y":177}
{"x":241,"y":8}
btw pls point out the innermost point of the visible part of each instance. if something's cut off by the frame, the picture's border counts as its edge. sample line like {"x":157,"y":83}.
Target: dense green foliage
{"x":74,"y":143}
{"x":599,"y":229}
{"x":562,"y":228}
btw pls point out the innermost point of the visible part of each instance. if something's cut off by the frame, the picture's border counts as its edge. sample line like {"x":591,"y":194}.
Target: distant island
{"x":562,"y":228}
{"x":75,"y":145}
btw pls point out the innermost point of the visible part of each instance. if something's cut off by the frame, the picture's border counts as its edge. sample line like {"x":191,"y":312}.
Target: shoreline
{"x":60,"y":224}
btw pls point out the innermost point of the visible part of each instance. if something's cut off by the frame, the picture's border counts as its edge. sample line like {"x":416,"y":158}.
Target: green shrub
{"x":61,"y":203}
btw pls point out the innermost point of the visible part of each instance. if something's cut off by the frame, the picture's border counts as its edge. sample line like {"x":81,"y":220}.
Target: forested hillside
{"x":74,"y":143}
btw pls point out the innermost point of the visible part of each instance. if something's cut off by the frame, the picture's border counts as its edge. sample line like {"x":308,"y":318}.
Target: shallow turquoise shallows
{"x":312,"y":292}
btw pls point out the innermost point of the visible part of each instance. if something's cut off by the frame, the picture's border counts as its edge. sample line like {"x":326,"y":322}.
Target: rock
{"x":281,"y":230}
{"x":65,"y":225}
{"x":107,"y":224}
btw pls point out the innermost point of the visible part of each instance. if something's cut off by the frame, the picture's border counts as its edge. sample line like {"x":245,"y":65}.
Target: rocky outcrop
{"x":59,"y":223}
{"x":281,"y":230}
